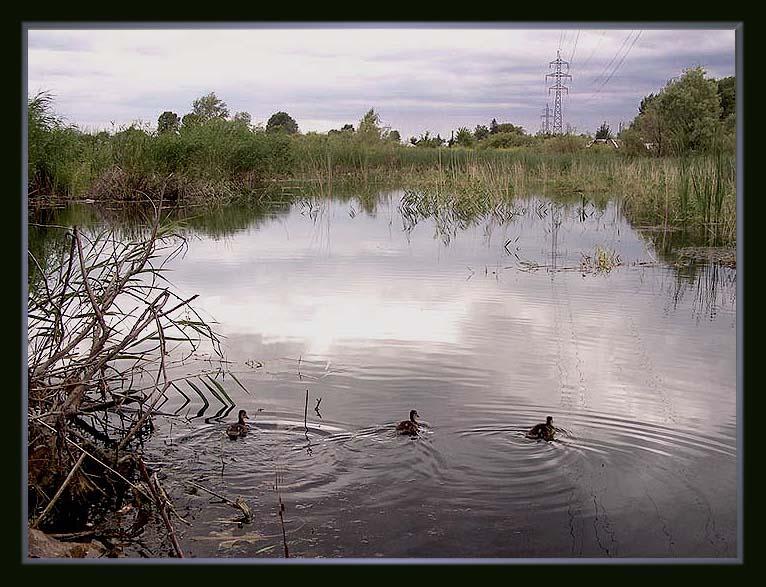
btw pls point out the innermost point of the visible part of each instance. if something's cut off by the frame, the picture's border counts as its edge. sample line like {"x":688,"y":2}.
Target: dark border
{"x":66,"y":15}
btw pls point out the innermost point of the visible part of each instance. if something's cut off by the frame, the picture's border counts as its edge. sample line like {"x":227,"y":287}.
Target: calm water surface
{"x":485,"y":327}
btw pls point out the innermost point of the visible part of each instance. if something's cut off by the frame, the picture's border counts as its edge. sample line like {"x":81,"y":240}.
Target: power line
{"x":608,"y":65}
{"x":606,"y":81}
{"x":571,"y":57}
{"x":593,"y":52}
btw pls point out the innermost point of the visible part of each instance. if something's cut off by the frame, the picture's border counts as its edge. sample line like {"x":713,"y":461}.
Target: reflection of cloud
{"x":321,"y":319}
{"x":417,"y":79}
{"x":351,"y":290}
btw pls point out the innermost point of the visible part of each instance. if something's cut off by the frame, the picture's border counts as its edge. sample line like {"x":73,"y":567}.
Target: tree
{"x":727,"y":97}
{"x":243,"y":118}
{"x":168,"y":122}
{"x":493,"y":127}
{"x":481,"y":132}
{"x":684,"y":116}
{"x":394,"y":136}
{"x":426,"y":140}
{"x":210,"y":107}
{"x":508,"y":127}
{"x":282,"y":122}
{"x":190,"y":120}
{"x":369,"y":126}
{"x":464,"y":137}
{"x":603,"y":132}
{"x":645,"y":103}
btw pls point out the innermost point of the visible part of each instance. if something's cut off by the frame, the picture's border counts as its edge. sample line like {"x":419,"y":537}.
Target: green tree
{"x":684,"y":116}
{"x":603,"y":132}
{"x":426,"y":140}
{"x":243,"y":118}
{"x":369,"y":126}
{"x":727,"y":87}
{"x":190,"y":120}
{"x":493,"y":126}
{"x":282,"y":122}
{"x":727,"y":97}
{"x":464,"y":137}
{"x":481,"y":132}
{"x":509,"y":128}
{"x":168,"y":122}
{"x":209,"y":107}
{"x":394,"y":136}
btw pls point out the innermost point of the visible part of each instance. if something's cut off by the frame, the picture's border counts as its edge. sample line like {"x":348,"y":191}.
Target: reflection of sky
{"x":358,"y":291}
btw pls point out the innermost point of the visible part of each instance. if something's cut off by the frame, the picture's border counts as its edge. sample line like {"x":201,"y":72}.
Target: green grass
{"x":222,"y":161}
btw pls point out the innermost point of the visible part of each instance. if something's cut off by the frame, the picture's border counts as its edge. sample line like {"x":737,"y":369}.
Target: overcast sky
{"x":417,"y":79}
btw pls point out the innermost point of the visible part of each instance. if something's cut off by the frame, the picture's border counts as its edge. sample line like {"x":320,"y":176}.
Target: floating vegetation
{"x":602,"y":260}
{"x":726,"y":256}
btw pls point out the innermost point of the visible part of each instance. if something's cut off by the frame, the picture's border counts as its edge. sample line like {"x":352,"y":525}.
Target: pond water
{"x":485,"y":326}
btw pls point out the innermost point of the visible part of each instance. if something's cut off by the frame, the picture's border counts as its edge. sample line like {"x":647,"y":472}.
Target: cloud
{"x":417,"y":79}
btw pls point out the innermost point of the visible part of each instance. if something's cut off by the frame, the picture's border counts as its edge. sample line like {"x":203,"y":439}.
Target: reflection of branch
{"x":316,"y":407}
{"x":281,"y":510}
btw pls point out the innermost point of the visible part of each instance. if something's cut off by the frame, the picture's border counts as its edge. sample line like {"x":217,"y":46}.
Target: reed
{"x":106,"y":334}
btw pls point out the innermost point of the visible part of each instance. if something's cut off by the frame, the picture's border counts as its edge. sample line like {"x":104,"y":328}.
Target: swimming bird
{"x":239,"y":429}
{"x":544,"y":431}
{"x":409,"y":426}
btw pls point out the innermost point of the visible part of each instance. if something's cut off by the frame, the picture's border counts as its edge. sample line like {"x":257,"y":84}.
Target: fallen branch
{"x":162,"y":507}
{"x":239,"y":503}
{"x":55,"y":498}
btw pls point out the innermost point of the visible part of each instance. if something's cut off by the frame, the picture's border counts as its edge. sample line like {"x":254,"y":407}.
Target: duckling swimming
{"x":544,"y":431}
{"x":239,"y":429}
{"x":409,"y":426}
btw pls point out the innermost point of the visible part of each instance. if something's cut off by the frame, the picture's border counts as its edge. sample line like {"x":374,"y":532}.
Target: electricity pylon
{"x":559,"y":64}
{"x":546,"y":118}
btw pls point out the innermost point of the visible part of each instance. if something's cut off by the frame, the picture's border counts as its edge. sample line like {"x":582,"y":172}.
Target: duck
{"x":239,"y":429}
{"x":409,"y":426}
{"x":544,"y":431}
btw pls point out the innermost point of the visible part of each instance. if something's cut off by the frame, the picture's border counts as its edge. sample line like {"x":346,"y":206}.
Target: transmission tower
{"x":558,"y":87}
{"x":545,"y":127}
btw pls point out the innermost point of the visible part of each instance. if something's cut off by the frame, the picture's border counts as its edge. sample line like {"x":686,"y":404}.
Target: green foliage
{"x":369,"y":126}
{"x":168,"y":122}
{"x":243,"y":118}
{"x":427,"y":141}
{"x":481,"y":132}
{"x":686,"y":116}
{"x":505,"y":140}
{"x":464,"y":137}
{"x":282,"y":122}
{"x":190,"y":120}
{"x":209,"y":107}
{"x":604,"y":132}
{"x":507,"y":127}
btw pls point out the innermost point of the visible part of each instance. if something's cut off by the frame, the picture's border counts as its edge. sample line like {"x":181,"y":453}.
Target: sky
{"x":417,"y":79}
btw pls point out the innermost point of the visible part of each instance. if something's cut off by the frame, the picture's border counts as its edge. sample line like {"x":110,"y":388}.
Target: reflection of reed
{"x":711,"y":284}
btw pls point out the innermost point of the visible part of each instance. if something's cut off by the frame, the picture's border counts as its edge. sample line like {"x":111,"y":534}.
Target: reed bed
{"x":108,"y":339}
{"x":222,"y":161}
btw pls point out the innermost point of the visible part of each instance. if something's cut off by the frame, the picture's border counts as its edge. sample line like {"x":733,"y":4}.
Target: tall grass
{"x":220,"y":160}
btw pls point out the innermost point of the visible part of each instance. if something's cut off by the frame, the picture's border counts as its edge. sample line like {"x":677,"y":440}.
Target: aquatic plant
{"x":106,"y":336}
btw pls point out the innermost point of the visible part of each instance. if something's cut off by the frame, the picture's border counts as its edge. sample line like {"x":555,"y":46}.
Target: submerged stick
{"x":162,"y":507}
{"x":281,"y":510}
{"x":239,"y":503}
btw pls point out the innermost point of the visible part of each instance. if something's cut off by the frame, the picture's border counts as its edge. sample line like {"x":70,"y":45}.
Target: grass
{"x":222,"y":161}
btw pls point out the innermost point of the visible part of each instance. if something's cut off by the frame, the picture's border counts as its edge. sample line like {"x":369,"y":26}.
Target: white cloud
{"x":417,"y":79}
